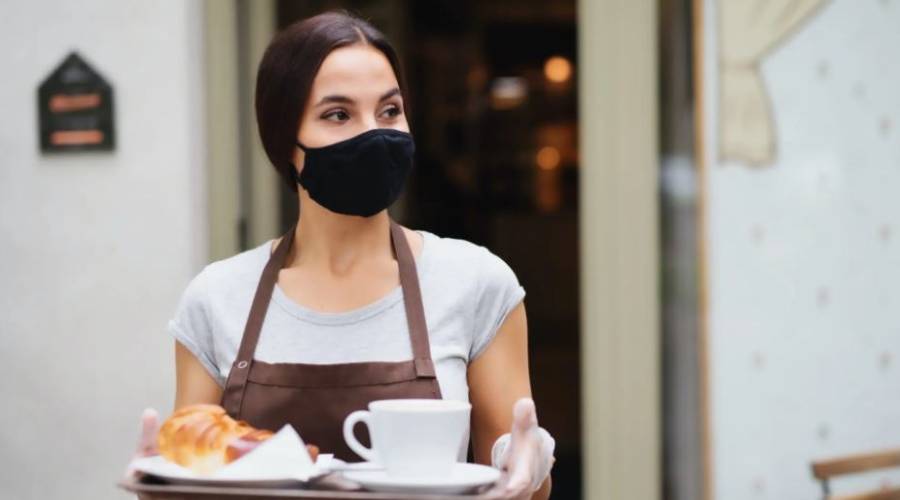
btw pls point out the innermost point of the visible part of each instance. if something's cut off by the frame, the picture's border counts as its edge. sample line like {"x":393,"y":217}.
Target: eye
{"x":393,"y":111}
{"x":338,"y":115}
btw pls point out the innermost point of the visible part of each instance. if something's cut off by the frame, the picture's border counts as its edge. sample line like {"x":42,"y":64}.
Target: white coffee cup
{"x":411,"y":437}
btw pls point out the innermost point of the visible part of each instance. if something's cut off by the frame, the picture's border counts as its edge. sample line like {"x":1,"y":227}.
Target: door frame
{"x":619,"y":244}
{"x":242,"y":192}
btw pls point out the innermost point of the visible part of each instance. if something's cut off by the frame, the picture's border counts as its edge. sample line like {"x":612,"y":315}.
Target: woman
{"x":324,"y":300}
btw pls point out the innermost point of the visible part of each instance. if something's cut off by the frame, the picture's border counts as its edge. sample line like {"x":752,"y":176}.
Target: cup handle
{"x":349,"y":423}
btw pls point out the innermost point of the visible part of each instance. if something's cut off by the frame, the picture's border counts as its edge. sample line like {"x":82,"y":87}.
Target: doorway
{"x":494,"y":113}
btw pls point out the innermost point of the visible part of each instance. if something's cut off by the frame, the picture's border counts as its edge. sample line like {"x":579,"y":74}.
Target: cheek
{"x":307,"y":130}
{"x":403,"y":124}
{"x":306,"y":133}
{"x":298,"y":158}
{"x":314,"y":131}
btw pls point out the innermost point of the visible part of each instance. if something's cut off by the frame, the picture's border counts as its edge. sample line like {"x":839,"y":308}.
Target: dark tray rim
{"x":158,"y":488}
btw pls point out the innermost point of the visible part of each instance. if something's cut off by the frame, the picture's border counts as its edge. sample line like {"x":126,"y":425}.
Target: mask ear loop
{"x":294,"y":167}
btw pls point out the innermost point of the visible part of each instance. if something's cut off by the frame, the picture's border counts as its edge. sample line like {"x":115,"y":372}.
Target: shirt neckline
{"x":356,"y":315}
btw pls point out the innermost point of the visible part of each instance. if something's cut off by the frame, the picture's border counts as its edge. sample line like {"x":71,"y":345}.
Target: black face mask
{"x":362,"y":175}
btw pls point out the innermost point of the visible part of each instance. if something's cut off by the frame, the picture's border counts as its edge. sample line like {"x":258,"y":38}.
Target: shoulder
{"x":464,"y":259}
{"x":483,"y":283}
{"x":246,"y":264}
{"x":229,"y":275}
{"x":454,"y":251}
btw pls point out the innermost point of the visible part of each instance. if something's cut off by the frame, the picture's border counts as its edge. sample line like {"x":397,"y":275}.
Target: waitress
{"x":348,"y":306}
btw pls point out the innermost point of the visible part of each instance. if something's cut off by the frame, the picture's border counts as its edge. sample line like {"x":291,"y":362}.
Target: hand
{"x":147,"y":443}
{"x":522,"y":463}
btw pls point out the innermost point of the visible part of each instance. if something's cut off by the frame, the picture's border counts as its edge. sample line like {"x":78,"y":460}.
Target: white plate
{"x":176,"y":474}
{"x":282,"y":460}
{"x":461,"y":479}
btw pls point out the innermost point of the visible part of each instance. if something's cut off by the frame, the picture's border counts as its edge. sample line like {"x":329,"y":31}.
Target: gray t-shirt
{"x":467,"y":292}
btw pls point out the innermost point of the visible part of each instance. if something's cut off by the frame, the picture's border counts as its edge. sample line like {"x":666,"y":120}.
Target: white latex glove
{"x":526,"y":454}
{"x":147,"y":444}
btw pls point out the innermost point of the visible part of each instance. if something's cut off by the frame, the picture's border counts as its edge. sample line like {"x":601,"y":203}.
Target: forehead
{"x":358,"y":71}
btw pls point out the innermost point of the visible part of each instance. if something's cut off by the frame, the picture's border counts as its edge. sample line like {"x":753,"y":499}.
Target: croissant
{"x":203,"y":438}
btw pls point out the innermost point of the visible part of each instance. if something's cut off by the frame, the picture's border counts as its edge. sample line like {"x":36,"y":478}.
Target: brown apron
{"x":315,"y":398}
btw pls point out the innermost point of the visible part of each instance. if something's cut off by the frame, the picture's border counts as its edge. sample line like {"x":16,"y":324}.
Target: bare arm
{"x":497,"y":379}
{"x":193,"y":384}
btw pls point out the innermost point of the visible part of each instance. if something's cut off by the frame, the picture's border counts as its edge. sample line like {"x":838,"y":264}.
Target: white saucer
{"x":461,"y":479}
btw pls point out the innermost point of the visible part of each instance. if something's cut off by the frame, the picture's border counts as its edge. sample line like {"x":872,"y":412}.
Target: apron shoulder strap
{"x":412,"y":300}
{"x":240,"y":369}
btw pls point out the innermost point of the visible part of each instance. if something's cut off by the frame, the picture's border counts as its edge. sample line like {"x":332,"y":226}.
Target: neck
{"x":339,"y":243}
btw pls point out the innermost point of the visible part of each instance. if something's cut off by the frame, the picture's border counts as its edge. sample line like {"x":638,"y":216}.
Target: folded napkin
{"x":282,"y":457}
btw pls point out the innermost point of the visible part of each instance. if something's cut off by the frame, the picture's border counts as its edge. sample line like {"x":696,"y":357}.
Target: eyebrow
{"x":346,"y":100}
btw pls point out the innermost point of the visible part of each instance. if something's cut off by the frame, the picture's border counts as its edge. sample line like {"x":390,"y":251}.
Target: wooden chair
{"x":824,"y":470}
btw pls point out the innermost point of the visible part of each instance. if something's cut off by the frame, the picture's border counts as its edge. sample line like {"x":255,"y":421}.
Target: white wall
{"x":804,"y":264}
{"x":94,"y":248}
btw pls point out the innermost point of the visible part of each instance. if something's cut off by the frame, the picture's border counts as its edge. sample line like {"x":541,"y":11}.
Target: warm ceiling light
{"x":557,"y":69}
{"x":548,"y":158}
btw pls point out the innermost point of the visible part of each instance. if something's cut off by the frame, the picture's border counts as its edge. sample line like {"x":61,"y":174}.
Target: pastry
{"x":203,"y":438}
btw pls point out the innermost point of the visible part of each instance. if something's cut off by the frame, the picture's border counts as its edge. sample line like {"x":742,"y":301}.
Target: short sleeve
{"x":191,"y":325}
{"x":498,"y":293}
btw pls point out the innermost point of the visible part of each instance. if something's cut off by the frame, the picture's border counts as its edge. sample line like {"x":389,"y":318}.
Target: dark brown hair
{"x":288,"y":68}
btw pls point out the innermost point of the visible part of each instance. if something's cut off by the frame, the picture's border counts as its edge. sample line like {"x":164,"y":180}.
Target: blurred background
{"x":699,"y":197}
